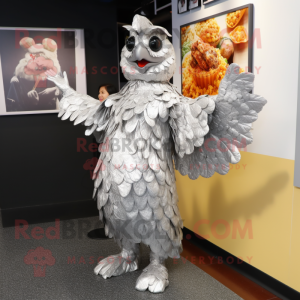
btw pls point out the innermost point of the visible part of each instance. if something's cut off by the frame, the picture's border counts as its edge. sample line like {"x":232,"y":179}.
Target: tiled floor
{"x":69,"y":273}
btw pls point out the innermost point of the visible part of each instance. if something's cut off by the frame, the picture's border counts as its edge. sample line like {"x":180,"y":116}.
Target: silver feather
{"x":143,"y":127}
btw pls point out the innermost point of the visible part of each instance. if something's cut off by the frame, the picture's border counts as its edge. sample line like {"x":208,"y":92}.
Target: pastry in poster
{"x":232,"y":19}
{"x":209,"y":47}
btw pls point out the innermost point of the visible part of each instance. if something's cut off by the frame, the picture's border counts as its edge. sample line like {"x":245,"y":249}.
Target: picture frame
{"x":194,"y":4}
{"x":195,"y":83}
{"x":208,"y":1}
{"x":182,"y":6}
{"x":25,"y":54}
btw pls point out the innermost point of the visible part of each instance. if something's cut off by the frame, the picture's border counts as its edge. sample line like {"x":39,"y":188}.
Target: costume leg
{"x":115,"y":265}
{"x":154,"y":277}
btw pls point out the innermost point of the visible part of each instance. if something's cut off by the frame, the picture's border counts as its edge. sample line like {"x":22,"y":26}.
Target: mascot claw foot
{"x":116,"y":265}
{"x":154,"y":278}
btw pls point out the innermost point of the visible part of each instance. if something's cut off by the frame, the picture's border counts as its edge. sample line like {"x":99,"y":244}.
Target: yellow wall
{"x":294,"y":261}
{"x":258,"y":189}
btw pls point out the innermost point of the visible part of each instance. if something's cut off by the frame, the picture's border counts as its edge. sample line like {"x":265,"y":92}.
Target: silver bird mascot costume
{"x":147,"y":125}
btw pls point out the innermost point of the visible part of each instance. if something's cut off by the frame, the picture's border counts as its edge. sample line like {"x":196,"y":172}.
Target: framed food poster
{"x":210,"y":45}
{"x":194,"y":4}
{"x":25,"y":55}
{"x":182,"y":6}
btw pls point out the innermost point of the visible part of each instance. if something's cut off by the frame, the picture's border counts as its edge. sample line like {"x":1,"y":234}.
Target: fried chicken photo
{"x":204,"y":55}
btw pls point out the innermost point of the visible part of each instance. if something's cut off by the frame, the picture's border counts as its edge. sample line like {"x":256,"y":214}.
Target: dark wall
{"x":39,"y":160}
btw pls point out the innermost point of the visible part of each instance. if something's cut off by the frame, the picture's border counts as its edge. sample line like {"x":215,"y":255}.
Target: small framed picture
{"x":194,"y":4}
{"x":182,"y":6}
{"x":208,"y":1}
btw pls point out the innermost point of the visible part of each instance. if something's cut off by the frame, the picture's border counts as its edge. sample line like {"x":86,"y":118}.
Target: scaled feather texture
{"x":144,"y":128}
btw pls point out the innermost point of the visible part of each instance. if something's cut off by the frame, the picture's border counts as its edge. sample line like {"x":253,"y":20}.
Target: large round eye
{"x":130,"y":42}
{"x":155,"y":43}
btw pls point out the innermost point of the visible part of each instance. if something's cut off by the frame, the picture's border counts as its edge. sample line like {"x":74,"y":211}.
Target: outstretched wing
{"x":189,"y":123}
{"x":229,"y":127}
{"x":83,"y":108}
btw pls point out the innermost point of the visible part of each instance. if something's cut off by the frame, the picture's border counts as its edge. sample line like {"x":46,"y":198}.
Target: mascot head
{"x":38,"y":59}
{"x":148,"y":54}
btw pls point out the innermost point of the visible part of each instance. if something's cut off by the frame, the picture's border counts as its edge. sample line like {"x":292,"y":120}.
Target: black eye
{"x":155,"y":43}
{"x":130,"y":42}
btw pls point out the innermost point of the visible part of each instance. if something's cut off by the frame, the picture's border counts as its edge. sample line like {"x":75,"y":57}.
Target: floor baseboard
{"x":264,"y":280}
{"x":49,"y":212}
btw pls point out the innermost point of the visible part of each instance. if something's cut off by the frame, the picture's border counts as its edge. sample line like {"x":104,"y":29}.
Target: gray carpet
{"x":63,"y":280}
